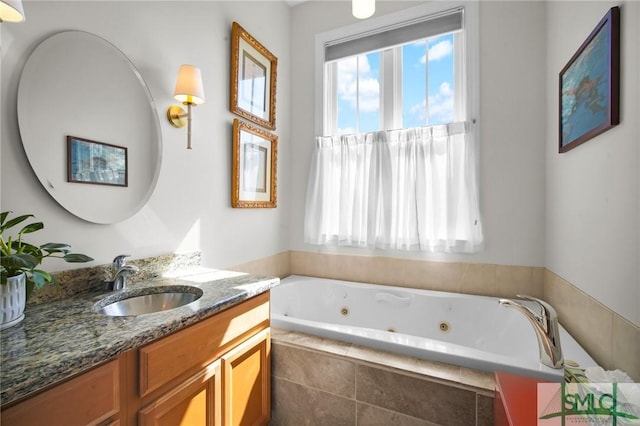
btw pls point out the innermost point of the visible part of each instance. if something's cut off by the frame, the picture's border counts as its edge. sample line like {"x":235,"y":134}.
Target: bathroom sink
{"x":147,"y":300}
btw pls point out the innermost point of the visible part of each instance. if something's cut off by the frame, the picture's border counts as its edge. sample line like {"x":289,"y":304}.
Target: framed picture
{"x":590,"y":85}
{"x":96,"y":162}
{"x":255,"y":154}
{"x":253,"y":79}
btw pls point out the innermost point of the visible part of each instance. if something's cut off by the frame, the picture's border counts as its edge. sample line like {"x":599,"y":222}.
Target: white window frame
{"x":469,"y":69}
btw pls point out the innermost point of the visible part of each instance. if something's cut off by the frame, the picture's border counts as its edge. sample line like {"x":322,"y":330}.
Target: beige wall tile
{"x":315,"y":369}
{"x":482,"y":381}
{"x":484,"y":409}
{"x":294,"y":404}
{"x":566,"y":302}
{"x":408,"y":395}
{"x":538,"y":279}
{"x":626,"y":347}
{"x":596,"y":329}
{"x":587,"y":320}
{"x":479,"y":278}
{"x":309,"y":341}
{"x":513,"y":280}
{"x":370,"y":415}
{"x":278,"y":265}
{"x":442,"y":276}
{"x":437,"y":370}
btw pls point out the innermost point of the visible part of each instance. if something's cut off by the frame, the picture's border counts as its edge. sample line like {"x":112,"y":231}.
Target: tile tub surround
{"x":84,"y":280}
{"x":278,"y":265}
{"x":457,"y":277}
{"x":64,"y":338}
{"x":609,"y":338}
{"x":318,"y":381}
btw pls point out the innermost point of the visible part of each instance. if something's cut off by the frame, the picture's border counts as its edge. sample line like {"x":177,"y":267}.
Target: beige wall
{"x":593,"y":191}
{"x":512,"y":115}
{"x":190,"y":208}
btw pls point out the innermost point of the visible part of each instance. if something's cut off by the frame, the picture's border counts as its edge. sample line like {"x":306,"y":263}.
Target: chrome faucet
{"x":545,"y":323}
{"x":119,"y":273}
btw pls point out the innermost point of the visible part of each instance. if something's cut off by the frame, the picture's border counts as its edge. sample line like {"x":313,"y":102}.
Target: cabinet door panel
{"x":195,"y":402}
{"x":246,"y":377}
{"x":88,"y":399}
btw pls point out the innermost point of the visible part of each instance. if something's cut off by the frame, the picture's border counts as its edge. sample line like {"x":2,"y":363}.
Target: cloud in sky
{"x":438,"y":51}
{"x":369,"y":86}
{"x":440,"y":106}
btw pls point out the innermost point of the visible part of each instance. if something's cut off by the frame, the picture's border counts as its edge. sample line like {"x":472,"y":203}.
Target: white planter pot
{"x":13,"y":297}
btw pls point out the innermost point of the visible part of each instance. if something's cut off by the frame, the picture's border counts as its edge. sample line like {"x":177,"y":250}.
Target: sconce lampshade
{"x":362,"y":9}
{"x":11,"y":11}
{"x":189,"y":85}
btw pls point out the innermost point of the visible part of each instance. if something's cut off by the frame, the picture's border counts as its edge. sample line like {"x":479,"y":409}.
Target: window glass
{"x":358,"y":87}
{"x":427,"y":74}
{"x":426,"y":71}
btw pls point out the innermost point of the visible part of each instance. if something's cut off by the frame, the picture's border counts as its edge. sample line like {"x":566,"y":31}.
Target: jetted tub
{"x":465,"y":330}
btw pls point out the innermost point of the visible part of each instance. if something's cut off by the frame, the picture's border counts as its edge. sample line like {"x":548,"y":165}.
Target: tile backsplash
{"x":76,"y":281}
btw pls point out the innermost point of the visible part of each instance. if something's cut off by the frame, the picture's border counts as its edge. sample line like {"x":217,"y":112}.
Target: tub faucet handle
{"x":547,"y":313}
{"x":545,"y":324}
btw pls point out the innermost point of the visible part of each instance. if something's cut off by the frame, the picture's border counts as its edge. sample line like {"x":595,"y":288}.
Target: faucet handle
{"x":119,"y":260}
{"x":546,"y":309}
{"x":538,"y":301}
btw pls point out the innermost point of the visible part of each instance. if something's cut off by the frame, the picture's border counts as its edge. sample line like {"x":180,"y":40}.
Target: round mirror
{"x":89,"y":127}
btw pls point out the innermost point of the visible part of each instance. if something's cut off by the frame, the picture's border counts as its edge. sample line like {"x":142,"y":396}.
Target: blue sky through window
{"x":359,"y":87}
{"x":440,"y":77}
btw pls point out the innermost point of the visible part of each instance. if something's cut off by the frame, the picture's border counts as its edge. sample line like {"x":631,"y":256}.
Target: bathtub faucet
{"x":545,"y":323}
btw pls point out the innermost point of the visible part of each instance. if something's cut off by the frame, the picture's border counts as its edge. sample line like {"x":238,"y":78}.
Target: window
{"x":395,"y":167}
{"x":404,"y":73}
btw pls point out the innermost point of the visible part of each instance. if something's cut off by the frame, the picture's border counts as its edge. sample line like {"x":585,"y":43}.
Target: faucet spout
{"x":545,"y":324}
{"x":120,"y":272}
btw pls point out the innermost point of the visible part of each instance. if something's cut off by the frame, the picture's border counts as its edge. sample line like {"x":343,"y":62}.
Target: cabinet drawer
{"x":88,"y":399}
{"x":198,"y":345}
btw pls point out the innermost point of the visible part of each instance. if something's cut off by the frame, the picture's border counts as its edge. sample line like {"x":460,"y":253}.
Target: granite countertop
{"x":60,"y":339}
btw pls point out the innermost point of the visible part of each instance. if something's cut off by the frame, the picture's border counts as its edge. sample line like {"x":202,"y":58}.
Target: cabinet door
{"x":88,"y":399}
{"x":246,"y":378}
{"x":194,"y":402}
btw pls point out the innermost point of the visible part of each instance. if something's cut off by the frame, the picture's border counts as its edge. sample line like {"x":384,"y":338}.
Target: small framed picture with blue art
{"x":590,"y":85}
{"x":96,"y":163}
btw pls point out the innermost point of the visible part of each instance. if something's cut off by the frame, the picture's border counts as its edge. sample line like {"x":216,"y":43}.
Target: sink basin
{"x":147,"y":300}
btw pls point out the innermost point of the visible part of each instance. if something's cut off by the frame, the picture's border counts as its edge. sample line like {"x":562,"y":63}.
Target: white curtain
{"x":409,"y":189}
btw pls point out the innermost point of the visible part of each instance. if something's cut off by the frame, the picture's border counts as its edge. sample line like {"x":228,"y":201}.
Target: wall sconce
{"x":11,"y":11}
{"x":190,"y":92}
{"x":362,"y":9}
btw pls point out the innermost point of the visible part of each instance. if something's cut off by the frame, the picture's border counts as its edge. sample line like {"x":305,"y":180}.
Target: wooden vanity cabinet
{"x":233,"y":390}
{"x":213,"y":373}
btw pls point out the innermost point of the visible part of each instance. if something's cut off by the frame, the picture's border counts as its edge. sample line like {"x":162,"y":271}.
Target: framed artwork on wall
{"x":96,"y":162}
{"x":253,"y":79}
{"x":255,"y":154}
{"x":590,"y":85}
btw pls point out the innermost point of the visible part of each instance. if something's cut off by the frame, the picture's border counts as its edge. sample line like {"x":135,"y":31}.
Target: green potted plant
{"x":18,"y":267}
